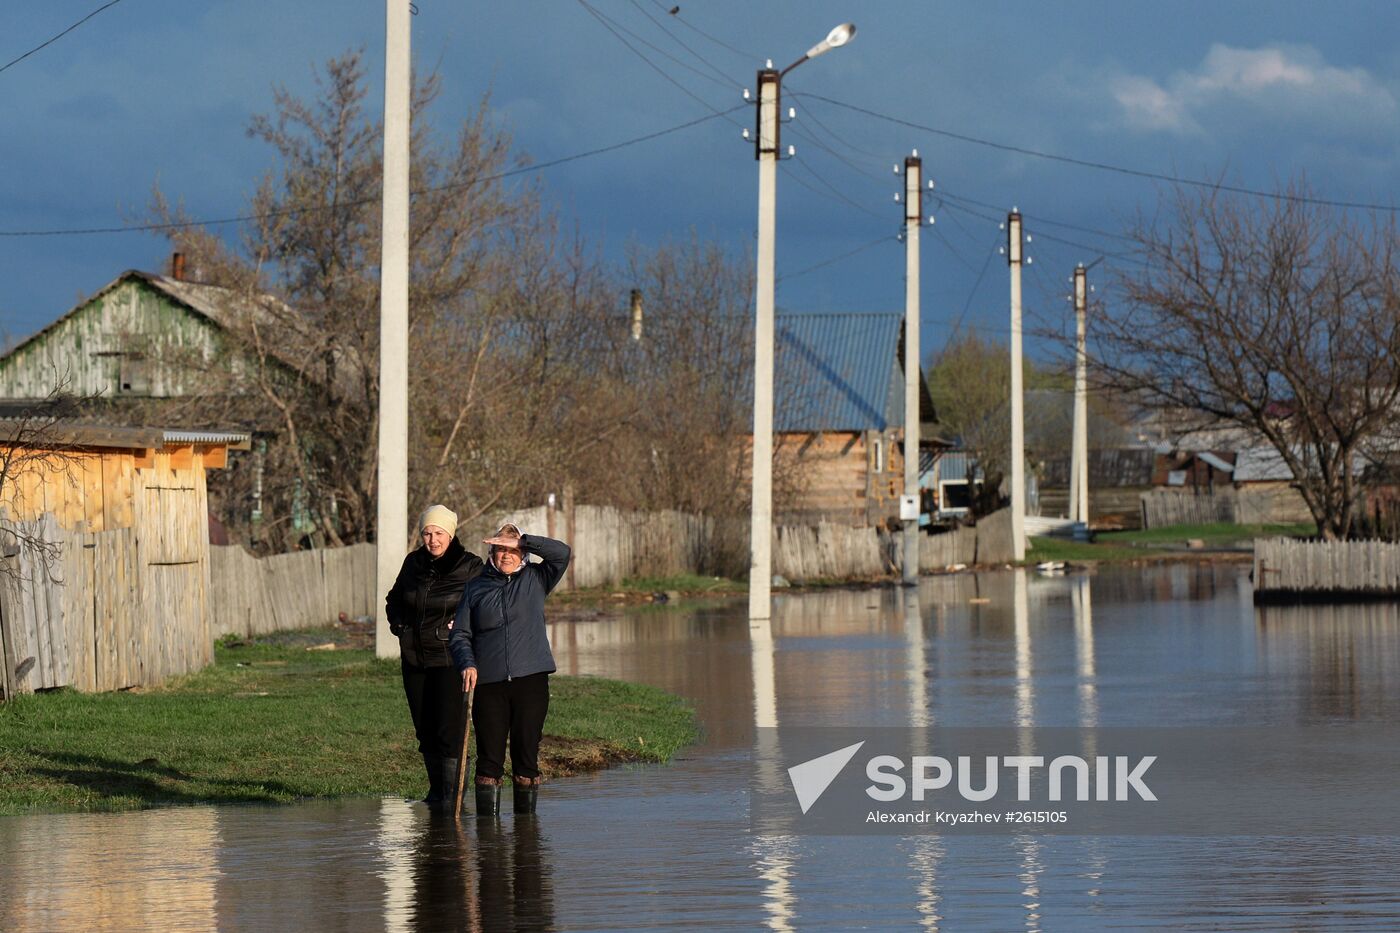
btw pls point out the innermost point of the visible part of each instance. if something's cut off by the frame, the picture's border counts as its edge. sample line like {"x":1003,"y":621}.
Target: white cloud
{"x":1285,"y":83}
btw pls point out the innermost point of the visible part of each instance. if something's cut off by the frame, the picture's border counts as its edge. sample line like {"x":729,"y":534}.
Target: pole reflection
{"x":1086,"y":669}
{"x":1027,"y":846}
{"x":772,"y":855}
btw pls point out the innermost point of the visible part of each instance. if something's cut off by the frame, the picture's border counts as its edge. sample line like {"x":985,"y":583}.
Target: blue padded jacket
{"x":499,"y":628}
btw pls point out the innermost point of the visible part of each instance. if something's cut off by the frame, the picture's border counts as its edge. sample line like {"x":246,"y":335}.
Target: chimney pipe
{"x":636,"y":314}
{"x":177,"y":266}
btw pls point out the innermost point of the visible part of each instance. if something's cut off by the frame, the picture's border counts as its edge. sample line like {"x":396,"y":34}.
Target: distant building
{"x":133,"y":351}
{"x":141,"y":336}
{"x":839,"y":415}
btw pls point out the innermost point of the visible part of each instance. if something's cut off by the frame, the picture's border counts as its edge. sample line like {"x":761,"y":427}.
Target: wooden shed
{"x":106,"y":554}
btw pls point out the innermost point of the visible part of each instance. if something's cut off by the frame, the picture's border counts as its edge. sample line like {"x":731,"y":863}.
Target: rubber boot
{"x":448,"y":771}
{"x":527,"y":790}
{"x":434,"y":766}
{"x":488,"y":796}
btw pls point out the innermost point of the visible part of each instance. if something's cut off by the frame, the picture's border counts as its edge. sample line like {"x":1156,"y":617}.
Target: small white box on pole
{"x":909,"y":508}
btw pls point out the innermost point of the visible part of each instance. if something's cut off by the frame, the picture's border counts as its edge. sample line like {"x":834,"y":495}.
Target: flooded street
{"x":648,"y":847}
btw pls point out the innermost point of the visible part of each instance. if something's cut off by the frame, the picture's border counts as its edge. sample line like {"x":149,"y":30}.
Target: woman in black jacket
{"x":420,"y":608}
{"x":500,"y":645}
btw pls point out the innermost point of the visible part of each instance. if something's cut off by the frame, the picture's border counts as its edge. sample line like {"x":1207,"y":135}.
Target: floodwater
{"x":649,"y":847}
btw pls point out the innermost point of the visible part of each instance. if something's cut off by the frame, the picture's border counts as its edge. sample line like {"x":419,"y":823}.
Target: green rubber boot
{"x":527,"y":791}
{"x":447,"y":777}
{"x":488,"y":796}
{"x":434,"y":767}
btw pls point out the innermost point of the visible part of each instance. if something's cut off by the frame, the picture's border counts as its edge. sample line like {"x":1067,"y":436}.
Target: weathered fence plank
{"x":1287,"y":569}
{"x":1163,"y":507}
{"x":305,"y":589}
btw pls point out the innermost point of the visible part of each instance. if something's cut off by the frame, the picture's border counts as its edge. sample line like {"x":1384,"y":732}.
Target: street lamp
{"x":766,"y":151}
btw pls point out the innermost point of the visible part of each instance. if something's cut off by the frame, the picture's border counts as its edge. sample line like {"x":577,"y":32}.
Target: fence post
{"x":569,"y":529}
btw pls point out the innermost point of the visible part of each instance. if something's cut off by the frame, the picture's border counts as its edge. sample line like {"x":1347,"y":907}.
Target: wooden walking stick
{"x":463,"y":762}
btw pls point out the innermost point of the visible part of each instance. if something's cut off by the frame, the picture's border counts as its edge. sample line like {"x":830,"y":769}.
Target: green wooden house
{"x":141,"y":336}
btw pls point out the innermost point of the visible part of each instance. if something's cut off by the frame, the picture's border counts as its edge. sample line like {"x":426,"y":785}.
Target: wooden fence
{"x":1162,"y":507}
{"x":1288,"y":570}
{"x":304,"y":589}
{"x":83,"y":611}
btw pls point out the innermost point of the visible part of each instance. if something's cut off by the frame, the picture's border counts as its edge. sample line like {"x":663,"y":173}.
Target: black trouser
{"x":435,"y":700}
{"x":515,"y":709}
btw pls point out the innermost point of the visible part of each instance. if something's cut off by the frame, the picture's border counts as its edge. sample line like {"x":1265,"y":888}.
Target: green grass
{"x":684,"y":583}
{"x":1217,"y":533}
{"x":1138,"y":545}
{"x":691,"y":586}
{"x":273,"y":724}
{"x":1046,"y":548}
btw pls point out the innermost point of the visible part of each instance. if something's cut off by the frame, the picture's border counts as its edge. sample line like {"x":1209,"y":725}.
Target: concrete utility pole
{"x":1079,"y":460}
{"x":392,"y":519}
{"x":766,"y":150}
{"x":1018,"y":414}
{"x":761,"y":529}
{"x":913,"y":217}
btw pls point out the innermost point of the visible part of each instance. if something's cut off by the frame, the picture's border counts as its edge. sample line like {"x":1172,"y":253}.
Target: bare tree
{"x":523,"y":375}
{"x":1278,"y":315}
{"x":970,"y":383}
{"x":305,"y":367}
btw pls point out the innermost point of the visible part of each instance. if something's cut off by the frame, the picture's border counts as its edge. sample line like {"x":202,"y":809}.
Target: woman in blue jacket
{"x":500,"y":646}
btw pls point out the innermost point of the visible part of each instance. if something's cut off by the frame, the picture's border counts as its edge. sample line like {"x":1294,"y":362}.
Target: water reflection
{"x":513,"y":877}
{"x":111,"y":871}
{"x":646,"y":847}
{"x":1081,"y":600}
{"x":1343,"y":659}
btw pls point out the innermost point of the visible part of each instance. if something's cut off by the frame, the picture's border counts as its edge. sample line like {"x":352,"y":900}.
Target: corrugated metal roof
{"x":76,"y":434}
{"x":836,"y":372}
{"x":1261,"y":464}
{"x":956,"y":465}
{"x":1118,"y":467}
{"x":1216,"y":462}
{"x":232,"y":438}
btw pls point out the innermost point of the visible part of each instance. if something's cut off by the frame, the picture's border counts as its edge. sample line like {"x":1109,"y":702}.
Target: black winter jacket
{"x":423,"y":600}
{"x":500,"y":621}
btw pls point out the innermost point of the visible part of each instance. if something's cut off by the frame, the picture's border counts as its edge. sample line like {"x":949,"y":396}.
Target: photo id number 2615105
{"x":1036,"y":816}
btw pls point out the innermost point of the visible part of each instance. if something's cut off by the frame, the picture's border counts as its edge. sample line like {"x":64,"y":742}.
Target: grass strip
{"x":274,"y":723}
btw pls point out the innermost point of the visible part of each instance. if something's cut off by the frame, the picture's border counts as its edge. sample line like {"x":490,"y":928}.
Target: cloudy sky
{"x":1254,"y":93}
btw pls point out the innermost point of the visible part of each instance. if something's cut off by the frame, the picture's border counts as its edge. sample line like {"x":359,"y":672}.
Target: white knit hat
{"x":441,"y":516}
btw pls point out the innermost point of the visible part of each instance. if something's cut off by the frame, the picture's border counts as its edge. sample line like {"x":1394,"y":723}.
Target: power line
{"x":975,"y":285}
{"x":677,"y":39}
{"x":1038,"y":218}
{"x":951,"y":248}
{"x":705,"y":35}
{"x":837,"y":192}
{"x":48,"y":42}
{"x":1108,"y":167}
{"x":244,"y":218}
{"x":609,"y":26}
{"x":834,"y":259}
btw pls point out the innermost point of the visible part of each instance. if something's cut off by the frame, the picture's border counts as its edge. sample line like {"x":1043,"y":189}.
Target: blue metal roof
{"x":837,"y":372}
